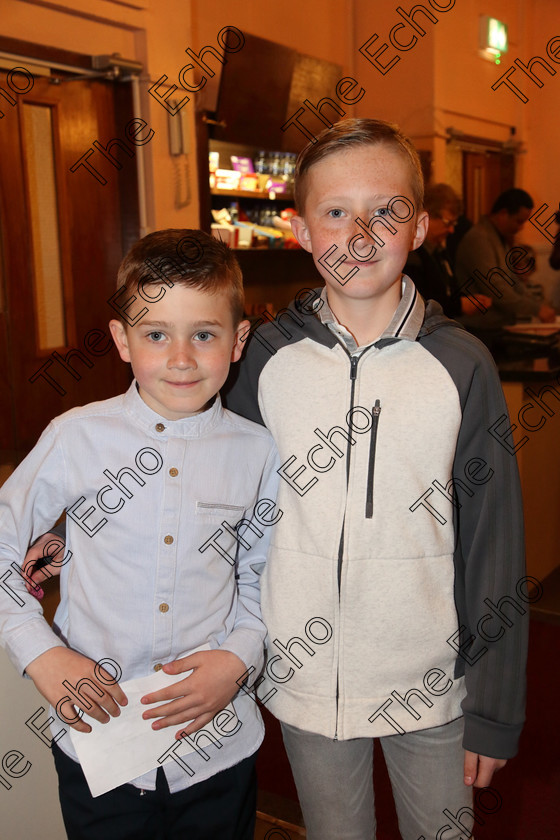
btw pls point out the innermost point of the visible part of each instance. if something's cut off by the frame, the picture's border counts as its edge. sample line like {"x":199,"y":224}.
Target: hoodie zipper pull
{"x":376,"y":411}
{"x":353,"y":367}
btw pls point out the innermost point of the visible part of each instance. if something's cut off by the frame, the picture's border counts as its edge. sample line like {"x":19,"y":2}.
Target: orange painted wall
{"x":316,"y":27}
{"x":404,"y":93}
{"x":541,"y":116}
{"x":442,"y":81}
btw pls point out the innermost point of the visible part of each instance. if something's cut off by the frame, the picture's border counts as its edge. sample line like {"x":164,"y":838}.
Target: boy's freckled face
{"x":181,"y":350}
{"x":359,"y":182}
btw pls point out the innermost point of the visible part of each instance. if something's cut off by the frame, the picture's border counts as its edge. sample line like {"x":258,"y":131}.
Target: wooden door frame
{"x":481,"y":146}
{"x":118,"y":112}
{"x":128,"y":181}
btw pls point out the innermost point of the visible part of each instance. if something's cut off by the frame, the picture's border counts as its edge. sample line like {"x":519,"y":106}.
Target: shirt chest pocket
{"x":223,"y":525}
{"x":214,"y":510}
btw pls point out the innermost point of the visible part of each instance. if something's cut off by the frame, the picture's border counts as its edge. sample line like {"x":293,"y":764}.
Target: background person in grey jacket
{"x":482,"y":265}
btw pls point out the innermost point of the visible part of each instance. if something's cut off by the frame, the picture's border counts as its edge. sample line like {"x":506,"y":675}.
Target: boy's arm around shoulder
{"x":31,"y":499}
{"x":247,"y":637}
{"x":489,"y":563}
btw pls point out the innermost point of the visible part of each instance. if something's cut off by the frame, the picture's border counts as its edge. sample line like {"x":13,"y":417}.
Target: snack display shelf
{"x":258,"y":194}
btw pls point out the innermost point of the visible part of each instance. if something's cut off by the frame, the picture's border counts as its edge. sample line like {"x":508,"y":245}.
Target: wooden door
{"x":486,"y":174}
{"x":60,"y":245}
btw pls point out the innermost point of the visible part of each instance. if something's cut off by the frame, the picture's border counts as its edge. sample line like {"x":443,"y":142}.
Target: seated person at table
{"x":482,"y":265}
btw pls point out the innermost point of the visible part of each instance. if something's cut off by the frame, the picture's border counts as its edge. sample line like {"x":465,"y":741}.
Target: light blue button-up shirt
{"x":157,"y":567}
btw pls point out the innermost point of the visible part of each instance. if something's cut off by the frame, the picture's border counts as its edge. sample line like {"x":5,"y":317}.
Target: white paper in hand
{"x":116,"y":752}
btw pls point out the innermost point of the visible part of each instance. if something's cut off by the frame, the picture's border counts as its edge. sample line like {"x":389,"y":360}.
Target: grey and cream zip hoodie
{"x":395,"y":594}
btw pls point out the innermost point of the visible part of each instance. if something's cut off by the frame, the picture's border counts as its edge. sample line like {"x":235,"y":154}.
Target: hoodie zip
{"x":369,"y":492}
{"x":353,"y":375}
{"x":376,"y":411}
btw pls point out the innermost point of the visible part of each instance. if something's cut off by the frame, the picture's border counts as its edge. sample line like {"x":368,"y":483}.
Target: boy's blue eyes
{"x":336,"y":213}
{"x":157,"y":336}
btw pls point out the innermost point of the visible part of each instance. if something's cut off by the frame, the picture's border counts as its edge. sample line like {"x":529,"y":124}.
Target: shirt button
{"x":160,"y":427}
{"x":158,"y":667}
{"x":168,"y":540}
{"x":163,"y":607}
{"x":173,"y":472}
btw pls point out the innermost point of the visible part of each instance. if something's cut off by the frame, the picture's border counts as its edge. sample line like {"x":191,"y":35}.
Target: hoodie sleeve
{"x":491,"y":588}
{"x":241,"y":390}
{"x":263,"y":340}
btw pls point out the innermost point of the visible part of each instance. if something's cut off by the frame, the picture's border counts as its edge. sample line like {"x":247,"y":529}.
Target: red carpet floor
{"x":529,"y":785}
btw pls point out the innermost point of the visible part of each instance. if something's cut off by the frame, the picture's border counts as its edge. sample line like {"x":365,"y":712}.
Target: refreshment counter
{"x":532,"y":391}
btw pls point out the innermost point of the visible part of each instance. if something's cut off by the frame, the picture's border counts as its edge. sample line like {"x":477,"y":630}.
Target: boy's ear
{"x":421,"y":229}
{"x":241,"y":336}
{"x":301,"y":232}
{"x":118,"y":331}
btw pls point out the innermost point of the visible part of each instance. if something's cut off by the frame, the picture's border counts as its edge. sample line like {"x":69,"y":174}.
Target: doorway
{"x":486,"y":174}
{"x":62,"y":236}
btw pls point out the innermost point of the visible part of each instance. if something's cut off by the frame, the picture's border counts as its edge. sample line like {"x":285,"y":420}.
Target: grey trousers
{"x":335,"y":786}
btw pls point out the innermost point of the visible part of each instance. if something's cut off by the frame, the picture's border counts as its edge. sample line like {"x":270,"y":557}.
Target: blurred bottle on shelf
{"x":277,"y":164}
{"x":289,"y":166}
{"x":260,"y":162}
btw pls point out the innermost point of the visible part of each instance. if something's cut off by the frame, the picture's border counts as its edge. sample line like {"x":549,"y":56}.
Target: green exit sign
{"x":493,"y":38}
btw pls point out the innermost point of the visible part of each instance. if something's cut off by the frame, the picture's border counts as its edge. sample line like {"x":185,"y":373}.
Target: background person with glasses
{"x":429,"y":266}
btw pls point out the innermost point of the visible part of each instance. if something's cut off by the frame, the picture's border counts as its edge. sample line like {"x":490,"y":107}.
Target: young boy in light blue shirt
{"x":170,"y":503}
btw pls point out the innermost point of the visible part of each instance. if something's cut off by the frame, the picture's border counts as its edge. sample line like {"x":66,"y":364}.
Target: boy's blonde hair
{"x":185,"y":257}
{"x":348,"y":134}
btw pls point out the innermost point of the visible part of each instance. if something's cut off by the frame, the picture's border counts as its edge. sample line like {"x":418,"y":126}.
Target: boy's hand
{"x":479,"y":769}
{"x":199,"y":696}
{"x":47,"y":545}
{"x":99,"y":694}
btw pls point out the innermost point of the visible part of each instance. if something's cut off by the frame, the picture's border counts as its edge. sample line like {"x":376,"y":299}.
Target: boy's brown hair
{"x":348,"y":134}
{"x":185,"y":257}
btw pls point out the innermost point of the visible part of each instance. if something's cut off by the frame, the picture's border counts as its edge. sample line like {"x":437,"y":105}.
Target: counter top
{"x":526,"y":352}
{"x":530,"y":370}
